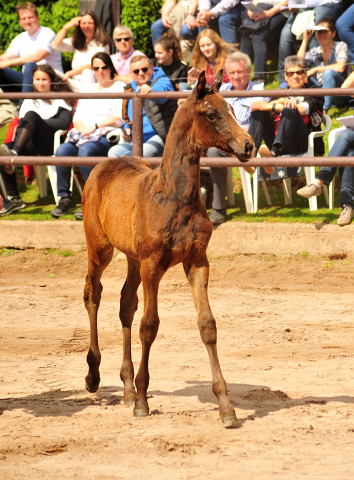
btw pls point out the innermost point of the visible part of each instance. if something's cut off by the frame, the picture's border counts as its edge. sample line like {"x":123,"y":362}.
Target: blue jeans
{"x":343,"y":147}
{"x":152,"y":148}
{"x":345,"y":29}
{"x":287,"y":43}
{"x":226,"y":24}
{"x":13,"y":81}
{"x":158,"y":29}
{"x":89,"y":149}
{"x":331,"y":79}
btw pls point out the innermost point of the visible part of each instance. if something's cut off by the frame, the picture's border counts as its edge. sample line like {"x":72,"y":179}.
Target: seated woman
{"x":93,"y":119}
{"x":39,"y":120}
{"x":168,"y":57}
{"x":343,"y":147}
{"x":257,"y":29}
{"x":88,"y":38}
{"x":209,"y":54}
{"x":285,"y":123}
{"x":327,"y":62}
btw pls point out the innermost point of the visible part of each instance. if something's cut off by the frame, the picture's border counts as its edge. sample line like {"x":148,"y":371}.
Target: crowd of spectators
{"x":315,"y":48}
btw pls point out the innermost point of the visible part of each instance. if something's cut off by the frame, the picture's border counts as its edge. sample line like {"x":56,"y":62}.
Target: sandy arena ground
{"x":285,"y":340}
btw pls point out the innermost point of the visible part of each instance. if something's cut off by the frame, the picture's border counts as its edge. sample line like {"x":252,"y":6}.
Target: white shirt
{"x":44,"y":109}
{"x":81,"y":57}
{"x":91,"y":111}
{"x":25,"y":44}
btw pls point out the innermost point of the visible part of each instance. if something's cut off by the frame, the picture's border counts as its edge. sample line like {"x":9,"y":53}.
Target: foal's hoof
{"x":91,"y":388}
{"x":229,"y":420}
{"x":141,"y":412}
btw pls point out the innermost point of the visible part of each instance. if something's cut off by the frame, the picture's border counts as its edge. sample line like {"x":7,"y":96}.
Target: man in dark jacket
{"x":285,"y":123}
{"x":157,"y":113}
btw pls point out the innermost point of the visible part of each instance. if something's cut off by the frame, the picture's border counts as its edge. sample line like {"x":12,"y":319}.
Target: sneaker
{"x":311,"y":190}
{"x":218,"y":216}
{"x":11,"y":205}
{"x":6,"y":152}
{"x":78,"y":215}
{"x":346,"y":216}
{"x":65,"y":205}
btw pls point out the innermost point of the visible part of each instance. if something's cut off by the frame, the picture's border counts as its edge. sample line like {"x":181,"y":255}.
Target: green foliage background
{"x":138,"y":15}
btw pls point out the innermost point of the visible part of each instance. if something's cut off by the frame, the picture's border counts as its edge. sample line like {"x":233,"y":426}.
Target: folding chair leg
{"x":265,"y":190}
{"x":2,"y":187}
{"x":230,"y":188}
{"x":40,"y":172}
{"x":331,"y":193}
{"x":310,"y":177}
{"x":325,"y":193}
{"x":288,"y":200}
{"x":255,"y":191}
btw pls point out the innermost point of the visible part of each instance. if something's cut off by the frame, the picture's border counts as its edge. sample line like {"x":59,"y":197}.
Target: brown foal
{"x":156,"y":218}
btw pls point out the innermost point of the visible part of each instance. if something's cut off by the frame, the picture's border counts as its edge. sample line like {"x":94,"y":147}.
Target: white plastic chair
{"x":52,"y":171}
{"x":309,"y":172}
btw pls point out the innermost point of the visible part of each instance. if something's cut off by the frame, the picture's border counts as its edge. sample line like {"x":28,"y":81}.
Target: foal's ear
{"x":218,"y":81}
{"x":200,"y":88}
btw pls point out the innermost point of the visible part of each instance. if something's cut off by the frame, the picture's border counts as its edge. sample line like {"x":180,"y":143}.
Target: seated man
{"x":31,"y":47}
{"x":124,"y":41}
{"x":238,"y":68}
{"x":157,"y":113}
{"x":285,"y":123}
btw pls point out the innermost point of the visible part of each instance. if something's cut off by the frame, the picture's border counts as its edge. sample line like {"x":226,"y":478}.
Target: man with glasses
{"x":285,"y":123}
{"x":124,"y":40}
{"x":157,"y":113}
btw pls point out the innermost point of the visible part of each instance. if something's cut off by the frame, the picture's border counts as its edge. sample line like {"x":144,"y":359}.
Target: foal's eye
{"x":211,"y":116}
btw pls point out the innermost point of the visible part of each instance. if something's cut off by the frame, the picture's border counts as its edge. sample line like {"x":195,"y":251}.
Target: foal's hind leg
{"x":151,"y":274}
{"x":98,"y":260}
{"x":128,"y":307}
{"x":198,"y":275}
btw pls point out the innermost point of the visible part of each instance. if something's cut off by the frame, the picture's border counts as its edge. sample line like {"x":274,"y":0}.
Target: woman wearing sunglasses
{"x":285,"y":123}
{"x":329,"y":62}
{"x":88,"y":38}
{"x":124,"y":42}
{"x":93,"y":120}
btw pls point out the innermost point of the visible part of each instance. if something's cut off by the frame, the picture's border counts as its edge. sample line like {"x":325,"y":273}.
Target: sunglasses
{"x":298,"y":72}
{"x":102,"y":67}
{"x":126,"y":39}
{"x":144,"y":70}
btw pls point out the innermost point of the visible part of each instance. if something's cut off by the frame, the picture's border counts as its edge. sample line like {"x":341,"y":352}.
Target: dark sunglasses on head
{"x":298,"y":72}
{"x":126,"y":39}
{"x":144,"y":70}
{"x":103,"y":67}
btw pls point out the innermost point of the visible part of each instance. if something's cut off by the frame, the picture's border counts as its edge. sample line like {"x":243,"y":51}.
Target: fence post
{"x":138,"y":127}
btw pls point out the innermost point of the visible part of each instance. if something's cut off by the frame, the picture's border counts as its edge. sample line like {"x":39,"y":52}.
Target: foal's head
{"x":215,"y":124}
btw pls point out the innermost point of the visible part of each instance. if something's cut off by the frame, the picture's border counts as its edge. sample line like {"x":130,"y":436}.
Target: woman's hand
{"x":311,"y":72}
{"x":86,"y":131}
{"x":257,"y":17}
{"x":127,"y":137}
{"x":190,"y":21}
{"x":74,"y":22}
{"x":306,"y":35}
{"x":67,"y":75}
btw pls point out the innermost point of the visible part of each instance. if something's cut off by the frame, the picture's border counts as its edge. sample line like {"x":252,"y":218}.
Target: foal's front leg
{"x":198,"y":276}
{"x":151,"y":274}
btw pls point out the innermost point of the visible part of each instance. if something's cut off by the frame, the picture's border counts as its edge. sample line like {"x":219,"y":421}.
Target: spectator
{"x":257,"y":29}
{"x":157,"y":114}
{"x":288,"y":44}
{"x":93,"y":119}
{"x":124,"y":41}
{"x":221,"y":15}
{"x":168,"y":57}
{"x":238,"y":68}
{"x":327,"y":62}
{"x":345,"y":30}
{"x":209,"y":54}
{"x":39,"y":120}
{"x":343,"y":147}
{"x":285,"y":123}
{"x":179,"y":16}
{"x":31,"y":47}
{"x":88,"y":38}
